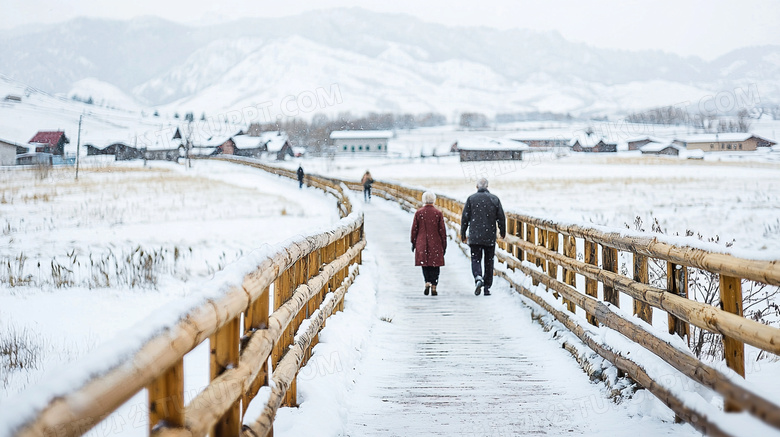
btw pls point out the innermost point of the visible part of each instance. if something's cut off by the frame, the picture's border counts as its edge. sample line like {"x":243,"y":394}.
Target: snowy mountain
{"x":378,"y":62}
{"x":94,"y":91}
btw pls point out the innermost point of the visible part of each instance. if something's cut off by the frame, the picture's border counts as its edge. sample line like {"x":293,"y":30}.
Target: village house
{"x":8,"y":152}
{"x":725,"y":142}
{"x":637,"y":143}
{"x":277,"y":144}
{"x":49,"y":142}
{"x":661,"y":148}
{"x":541,"y":140}
{"x":165,"y":150}
{"x":592,"y":144}
{"x":490,"y":149}
{"x":360,"y":141}
{"x":273,"y":143}
{"x":121,"y":151}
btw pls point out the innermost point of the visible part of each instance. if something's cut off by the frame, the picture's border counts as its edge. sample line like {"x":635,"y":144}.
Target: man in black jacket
{"x":481,"y":214}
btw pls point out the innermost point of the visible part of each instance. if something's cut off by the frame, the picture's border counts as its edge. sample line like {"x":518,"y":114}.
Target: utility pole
{"x":78,"y":148}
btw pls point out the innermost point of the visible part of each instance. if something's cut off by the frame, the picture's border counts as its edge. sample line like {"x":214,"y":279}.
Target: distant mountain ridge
{"x":381,"y":62}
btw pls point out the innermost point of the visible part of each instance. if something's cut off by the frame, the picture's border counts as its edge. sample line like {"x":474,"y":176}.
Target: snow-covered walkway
{"x":459,"y":364}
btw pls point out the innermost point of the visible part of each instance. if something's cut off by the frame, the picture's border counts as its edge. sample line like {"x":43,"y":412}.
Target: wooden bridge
{"x":261,"y":333}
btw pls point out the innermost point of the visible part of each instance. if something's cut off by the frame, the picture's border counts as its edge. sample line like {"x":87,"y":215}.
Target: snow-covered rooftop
{"x":246,"y":142}
{"x":539,"y":135}
{"x":658,"y":146}
{"x":588,"y":140}
{"x":215,"y":141}
{"x":360,"y":134}
{"x":648,"y":138}
{"x":491,"y":144}
{"x":273,"y":140}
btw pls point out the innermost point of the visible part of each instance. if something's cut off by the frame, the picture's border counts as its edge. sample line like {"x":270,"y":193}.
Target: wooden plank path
{"x":459,"y":364}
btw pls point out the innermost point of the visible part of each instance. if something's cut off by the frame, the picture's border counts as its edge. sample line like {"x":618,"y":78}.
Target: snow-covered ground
{"x":123,"y":241}
{"x":734,"y":200}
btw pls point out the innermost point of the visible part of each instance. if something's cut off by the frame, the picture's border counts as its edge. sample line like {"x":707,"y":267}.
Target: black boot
{"x":433,"y":291}
{"x":478,"y":285}
{"x":428,"y":289}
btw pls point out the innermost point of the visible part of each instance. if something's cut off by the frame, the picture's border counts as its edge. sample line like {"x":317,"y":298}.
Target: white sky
{"x":687,"y":27}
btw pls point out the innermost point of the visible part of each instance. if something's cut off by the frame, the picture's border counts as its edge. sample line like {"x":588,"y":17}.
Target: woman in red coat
{"x":429,"y":241}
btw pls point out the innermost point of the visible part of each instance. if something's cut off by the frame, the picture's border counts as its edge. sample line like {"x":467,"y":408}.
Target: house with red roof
{"x":49,"y":142}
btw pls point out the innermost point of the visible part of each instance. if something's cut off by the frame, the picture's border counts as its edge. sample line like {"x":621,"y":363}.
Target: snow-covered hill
{"x":100,"y":93}
{"x":379,"y":62}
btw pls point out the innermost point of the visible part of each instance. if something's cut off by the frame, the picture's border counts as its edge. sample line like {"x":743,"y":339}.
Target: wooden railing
{"x":253,"y":329}
{"x":547,"y":252}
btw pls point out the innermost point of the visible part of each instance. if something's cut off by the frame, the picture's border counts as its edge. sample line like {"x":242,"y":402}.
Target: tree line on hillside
{"x":715,"y":123}
{"x":316,"y":134}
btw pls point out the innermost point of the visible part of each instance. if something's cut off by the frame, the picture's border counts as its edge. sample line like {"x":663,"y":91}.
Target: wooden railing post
{"x":281,"y":284}
{"x":541,"y":240}
{"x":591,"y":285}
{"x":530,"y":236}
{"x":256,"y":318}
{"x":609,"y":261}
{"x":734,"y":351}
{"x":642,"y":309}
{"x":551,"y":243}
{"x":519,"y":233}
{"x":510,"y":230}
{"x":166,"y":397}
{"x":677,"y":283}
{"x":569,"y":277}
{"x":296,"y":276}
{"x":224,"y":354}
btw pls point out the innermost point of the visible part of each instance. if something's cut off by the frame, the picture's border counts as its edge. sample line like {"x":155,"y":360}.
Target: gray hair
{"x":429,"y":198}
{"x":482,"y":183}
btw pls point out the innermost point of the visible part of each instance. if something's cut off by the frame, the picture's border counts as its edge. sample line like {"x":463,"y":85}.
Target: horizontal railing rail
{"x":254,"y":334}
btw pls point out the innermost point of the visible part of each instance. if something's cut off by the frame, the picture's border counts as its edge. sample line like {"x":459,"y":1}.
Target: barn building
{"x":725,"y":142}
{"x":490,"y":149}
{"x":49,"y":142}
{"x":593,"y":144}
{"x":348,"y":142}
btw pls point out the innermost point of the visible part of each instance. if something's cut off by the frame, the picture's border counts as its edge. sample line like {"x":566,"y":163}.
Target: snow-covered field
{"x":734,"y":200}
{"x":84,"y":260}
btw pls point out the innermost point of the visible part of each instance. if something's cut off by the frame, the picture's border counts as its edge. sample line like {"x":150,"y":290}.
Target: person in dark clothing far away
{"x":481,"y":215}
{"x":429,"y":241}
{"x":300,"y":177}
{"x":367,"y":181}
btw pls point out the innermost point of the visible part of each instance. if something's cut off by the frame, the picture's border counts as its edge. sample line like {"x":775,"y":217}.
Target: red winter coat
{"x":429,"y":237}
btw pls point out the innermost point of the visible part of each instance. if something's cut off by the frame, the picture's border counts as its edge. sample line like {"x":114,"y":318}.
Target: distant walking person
{"x":300,"y":177}
{"x":481,"y":214}
{"x":367,"y":181}
{"x":429,"y":241}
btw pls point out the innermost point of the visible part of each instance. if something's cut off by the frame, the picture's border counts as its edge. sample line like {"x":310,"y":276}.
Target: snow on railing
{"x":253,"y":314}
{"x":535,"y":248}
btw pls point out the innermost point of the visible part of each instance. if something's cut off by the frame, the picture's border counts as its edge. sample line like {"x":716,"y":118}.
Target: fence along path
{"x":254,"y":336}
{"x":465,"y":365}
{"x":552,"y":248}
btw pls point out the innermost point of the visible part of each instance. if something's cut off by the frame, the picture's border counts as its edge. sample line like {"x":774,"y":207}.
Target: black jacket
{"x":300,"y":173}
{"x":480,"y":215}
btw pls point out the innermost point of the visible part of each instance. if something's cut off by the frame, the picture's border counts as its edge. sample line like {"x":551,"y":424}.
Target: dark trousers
{"x":300,"y":183}
{"x":431,"y":274}
{"x":366,"y":192}
{"x":477,"y":252}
